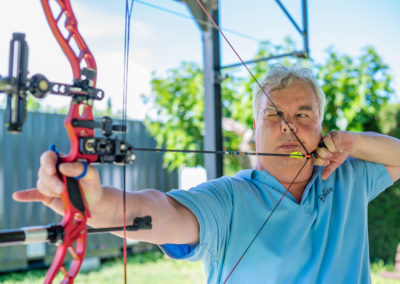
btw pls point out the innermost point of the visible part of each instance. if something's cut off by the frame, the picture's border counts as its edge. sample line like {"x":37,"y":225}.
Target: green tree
{"x":178,"y":113}
{"x":384,"y":211}
{"x":356,"y":89}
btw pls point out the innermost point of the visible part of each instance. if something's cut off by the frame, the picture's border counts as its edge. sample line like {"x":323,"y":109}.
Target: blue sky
{"x":161,"y":40}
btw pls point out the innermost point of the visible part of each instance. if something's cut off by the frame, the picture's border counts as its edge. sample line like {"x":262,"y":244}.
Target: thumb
{"x":328,"y":170}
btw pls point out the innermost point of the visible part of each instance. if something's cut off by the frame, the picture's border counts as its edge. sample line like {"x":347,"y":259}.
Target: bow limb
{"x":81,"y":108}
{"x":72,"y":37}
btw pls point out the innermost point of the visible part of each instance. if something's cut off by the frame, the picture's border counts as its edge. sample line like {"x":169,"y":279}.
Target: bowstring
{"x":281,"y":115}
{"x":128,"y":14}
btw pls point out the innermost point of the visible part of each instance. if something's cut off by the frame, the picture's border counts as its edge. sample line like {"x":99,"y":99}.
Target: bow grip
{"x":75,"y":229}
{"x":72,"y":194}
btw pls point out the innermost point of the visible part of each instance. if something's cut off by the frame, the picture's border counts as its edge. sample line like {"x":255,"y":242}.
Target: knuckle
{"x":318,"y":162}
{"x":324,"y":153}
{"x":40,"y":185}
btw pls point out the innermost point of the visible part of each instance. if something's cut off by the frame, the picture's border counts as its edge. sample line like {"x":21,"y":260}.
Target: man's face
{"x":299,"y":105}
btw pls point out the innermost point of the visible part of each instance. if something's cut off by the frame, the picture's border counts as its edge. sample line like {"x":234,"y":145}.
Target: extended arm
{"x":171,"y":222}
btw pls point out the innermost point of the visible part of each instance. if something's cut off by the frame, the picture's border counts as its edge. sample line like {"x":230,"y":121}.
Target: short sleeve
{"x":379,"y":179}
{"x":374,"y":177}
{"x":211,"y":203}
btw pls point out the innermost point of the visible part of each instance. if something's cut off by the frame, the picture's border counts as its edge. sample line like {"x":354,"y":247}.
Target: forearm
{"x":377,"y":148}
{"x":171,"y":222}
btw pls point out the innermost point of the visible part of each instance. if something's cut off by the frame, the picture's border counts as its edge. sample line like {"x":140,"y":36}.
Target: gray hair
{"x":282,"y":77}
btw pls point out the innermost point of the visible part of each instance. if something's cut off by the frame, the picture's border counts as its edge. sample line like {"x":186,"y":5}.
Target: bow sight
{"x":18,"y":86}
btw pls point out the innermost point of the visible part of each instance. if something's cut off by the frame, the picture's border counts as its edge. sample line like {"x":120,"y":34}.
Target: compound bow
{"x":71,"y":234}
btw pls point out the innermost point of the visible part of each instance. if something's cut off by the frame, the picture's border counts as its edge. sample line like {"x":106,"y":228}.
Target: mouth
{"x":289,"y":146}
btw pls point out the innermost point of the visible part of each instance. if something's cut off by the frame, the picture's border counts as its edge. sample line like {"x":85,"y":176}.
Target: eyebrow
{"x":306,"y":107}
{"x":301,"y":108}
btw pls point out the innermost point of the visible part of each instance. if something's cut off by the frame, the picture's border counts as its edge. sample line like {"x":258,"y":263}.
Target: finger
{"x":33,"y":195}
{"x":49,"y":191}
{"x":49,"y":184}
{"x":337,"y":140}
{"x":324,"y":153}
{"x":71,"y":169}
{"x":76,"y":169}
{"x":48,"y":161}
{"x":328,"y":170}
{"x":321,"y":162}
{"x":30,"y":195}
{"x":330,"y":145}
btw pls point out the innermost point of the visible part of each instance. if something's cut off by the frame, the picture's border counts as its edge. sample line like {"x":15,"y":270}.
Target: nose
{"x":288,"y":125}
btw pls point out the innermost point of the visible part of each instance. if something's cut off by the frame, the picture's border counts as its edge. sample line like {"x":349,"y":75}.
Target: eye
{"x":273,"y":116}
{"x":303,"y":115}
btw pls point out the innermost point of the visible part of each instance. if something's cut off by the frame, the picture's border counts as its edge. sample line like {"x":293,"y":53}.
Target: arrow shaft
{"x":218,"y":152}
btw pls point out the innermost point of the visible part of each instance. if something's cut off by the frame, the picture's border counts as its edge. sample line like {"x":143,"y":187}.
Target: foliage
{"x":383,"y":223}
{"x":356,"y":89}
{"x":31,"y":104}
{"x":389,"y":120}
{"x":384,"y":211}
{"x":379,"y":267}
{"x":178,"y":106}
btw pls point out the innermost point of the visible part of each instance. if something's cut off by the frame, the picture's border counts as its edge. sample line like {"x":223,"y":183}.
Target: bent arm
{"x":379,"y":148}
{"x":171,"y":221}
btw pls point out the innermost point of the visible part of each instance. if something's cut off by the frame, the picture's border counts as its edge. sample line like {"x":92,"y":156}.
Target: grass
{"x":151,"y":267}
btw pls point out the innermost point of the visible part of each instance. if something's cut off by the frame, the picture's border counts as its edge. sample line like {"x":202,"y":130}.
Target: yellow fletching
{"x":296,"y":155}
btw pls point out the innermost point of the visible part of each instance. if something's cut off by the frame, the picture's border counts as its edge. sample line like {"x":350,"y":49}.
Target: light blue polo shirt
{"x":324,"y":239}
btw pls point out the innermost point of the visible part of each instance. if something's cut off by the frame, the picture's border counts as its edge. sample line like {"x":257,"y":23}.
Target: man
{"x":317,"y":234}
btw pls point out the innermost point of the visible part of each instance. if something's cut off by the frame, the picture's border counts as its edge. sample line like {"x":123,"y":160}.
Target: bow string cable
{"x":281,"y":115}
{"x":128,"y":14}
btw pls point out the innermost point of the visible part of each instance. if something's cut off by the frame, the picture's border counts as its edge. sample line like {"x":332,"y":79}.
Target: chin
{"x":274,"y":162}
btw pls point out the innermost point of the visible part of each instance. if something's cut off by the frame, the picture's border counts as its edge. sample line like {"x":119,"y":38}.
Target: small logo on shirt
{"x":325,"y":192}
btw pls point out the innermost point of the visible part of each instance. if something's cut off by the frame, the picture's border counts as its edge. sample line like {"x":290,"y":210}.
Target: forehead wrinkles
{"x":301,"y":105}
{"x":299,"y":94}
{"x":304,"y":107}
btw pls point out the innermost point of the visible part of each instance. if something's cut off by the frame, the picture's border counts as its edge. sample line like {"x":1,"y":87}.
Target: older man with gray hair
{"x":317,"y":234}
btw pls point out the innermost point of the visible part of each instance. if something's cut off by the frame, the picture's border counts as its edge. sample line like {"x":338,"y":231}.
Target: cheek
{"x":313,"y":133}
{"x":267,"y":126}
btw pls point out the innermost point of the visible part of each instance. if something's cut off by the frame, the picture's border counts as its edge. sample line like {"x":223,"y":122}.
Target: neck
{"x":286,"y":175}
